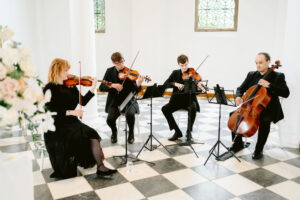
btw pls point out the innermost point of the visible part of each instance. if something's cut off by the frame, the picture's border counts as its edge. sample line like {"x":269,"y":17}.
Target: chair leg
{"x":119,"y":123}
{"x":42,"y":160}
{"x":138,"y":125}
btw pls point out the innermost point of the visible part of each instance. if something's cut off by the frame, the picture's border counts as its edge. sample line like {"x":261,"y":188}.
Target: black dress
{"x":70,"y":145}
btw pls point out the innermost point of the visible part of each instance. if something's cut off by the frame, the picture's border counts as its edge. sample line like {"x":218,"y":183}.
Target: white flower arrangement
{"x":21,"y":96}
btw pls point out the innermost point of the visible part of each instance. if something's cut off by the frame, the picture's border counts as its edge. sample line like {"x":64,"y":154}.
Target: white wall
{"x":118,"y":35}
{"x":162,"y":30}
{"x":289,"y":127}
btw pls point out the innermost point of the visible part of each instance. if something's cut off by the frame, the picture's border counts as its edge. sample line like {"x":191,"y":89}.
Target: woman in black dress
{"x":73,"y":143}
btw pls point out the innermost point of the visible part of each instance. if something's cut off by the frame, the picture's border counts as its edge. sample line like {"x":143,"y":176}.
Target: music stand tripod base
{"x":125,"y":157}
{"x":152,"y":91}
{"x":221,"y":99}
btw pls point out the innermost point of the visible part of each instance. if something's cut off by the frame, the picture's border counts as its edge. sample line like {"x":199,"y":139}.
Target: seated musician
{"x":72,"y":143}
{"x":179,"y":100}
{"x":116,"y":94}
{"x":277,"y":87}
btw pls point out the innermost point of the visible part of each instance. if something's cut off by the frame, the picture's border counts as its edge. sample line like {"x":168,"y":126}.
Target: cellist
{"x":277,"y":87}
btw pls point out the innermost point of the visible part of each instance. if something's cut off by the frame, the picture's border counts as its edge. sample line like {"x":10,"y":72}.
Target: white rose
{"x":27,"y":67}
{"x":33,"y":91}
{"x":6,"y":34}
{"x":24,"y":53}
{"x":3,"y":71}
{"x":9,"y":87}
{"x":9,"y":56}
{"x":10,"y":117}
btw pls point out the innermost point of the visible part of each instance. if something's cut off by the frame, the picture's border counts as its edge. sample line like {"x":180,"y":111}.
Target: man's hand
{"x":117,"y":86}
{"x":238,"y":101}
{"x":179,"y":86}
{"x":264,"y":83}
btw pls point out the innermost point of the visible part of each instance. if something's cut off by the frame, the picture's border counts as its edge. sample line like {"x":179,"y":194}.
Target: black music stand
{"x":125,"y":157}
{"x":221,"y":99}
{"x":190,"y":88}
{"x":152,"y":92}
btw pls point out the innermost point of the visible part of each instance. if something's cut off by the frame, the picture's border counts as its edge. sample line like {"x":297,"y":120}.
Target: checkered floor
{"x":180,"y":175}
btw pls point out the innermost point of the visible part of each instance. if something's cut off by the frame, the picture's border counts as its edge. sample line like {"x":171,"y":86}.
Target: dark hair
{"x":267,"y":56}
{"x":116,"y":57}
{"x":182,"y":59}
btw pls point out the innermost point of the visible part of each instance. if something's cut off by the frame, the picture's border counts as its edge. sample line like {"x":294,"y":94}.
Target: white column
{"x":289,"y":128}
{"x":83,"y":49}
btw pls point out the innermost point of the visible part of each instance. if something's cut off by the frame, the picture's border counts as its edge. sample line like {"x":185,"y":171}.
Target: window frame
{"x":100,"y":30}
{"x":234,"y":29}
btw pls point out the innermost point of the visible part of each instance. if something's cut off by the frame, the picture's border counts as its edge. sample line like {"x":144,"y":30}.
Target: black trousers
{"x":170,"y":108}
{"x":263,"y":133}
{"x":114,"y":113}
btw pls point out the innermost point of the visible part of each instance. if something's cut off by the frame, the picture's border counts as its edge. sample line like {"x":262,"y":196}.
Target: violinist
{"x":72,"y":143}
{"x":179,"y":100}
{"x":114,"y":95}
{"x":276,"y":87}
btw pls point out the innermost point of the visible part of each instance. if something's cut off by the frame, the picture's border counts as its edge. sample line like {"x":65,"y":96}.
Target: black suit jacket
{"x":278,"y":88}
{"x":114,"y":98}
{"x":177,"y":96}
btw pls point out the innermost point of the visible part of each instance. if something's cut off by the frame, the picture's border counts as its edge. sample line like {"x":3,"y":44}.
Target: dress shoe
{"x":236,"y":148}
{"x":106,"y":173}
{"x":131,"y":138}
{"x":175,"y":136}
{"x":257,"y":156}
{"x":189,"y":136}
{"x":114,"y":137}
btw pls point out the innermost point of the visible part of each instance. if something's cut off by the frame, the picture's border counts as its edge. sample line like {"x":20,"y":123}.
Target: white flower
{"x":6,"y":34}
{"x":9,"y":56}
{"x":24,"y":54}
{"x":33,"y":91}
{"x":27,"y":67}
{"x":8,"y":117}
{"x":28,"y":108}
{"x":9,"y":87}
{"x":3,"y":71}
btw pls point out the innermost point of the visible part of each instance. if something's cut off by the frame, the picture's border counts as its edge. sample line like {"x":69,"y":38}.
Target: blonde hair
{"x":56,"y":67}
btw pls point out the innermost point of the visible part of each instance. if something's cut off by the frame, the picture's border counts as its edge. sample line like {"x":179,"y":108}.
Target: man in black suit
{"x":117,"y":93}
{"x":277,"y":87}
{"x":179,"y":100}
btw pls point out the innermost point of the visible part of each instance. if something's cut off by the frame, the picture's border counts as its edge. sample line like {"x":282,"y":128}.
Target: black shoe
{"x":114,"y":137}
{"x":189,"y":136}
{"x":257,"y":156}
{"x":106,"y":173}
{"x":131,"y":138}
{"x":175,"y":136}
{"x":236,"y":148}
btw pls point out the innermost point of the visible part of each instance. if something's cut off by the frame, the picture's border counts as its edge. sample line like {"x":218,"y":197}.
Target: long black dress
{"x":70,"y":145}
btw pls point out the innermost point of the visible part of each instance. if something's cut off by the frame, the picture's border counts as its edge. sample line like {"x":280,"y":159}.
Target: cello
{"x":246,"y":119}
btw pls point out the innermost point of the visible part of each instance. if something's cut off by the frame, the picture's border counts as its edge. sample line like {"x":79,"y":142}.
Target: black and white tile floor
{"x":179,"y":175}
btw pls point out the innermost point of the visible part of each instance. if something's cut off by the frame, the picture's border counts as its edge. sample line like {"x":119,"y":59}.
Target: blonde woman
{"x":73,"y":143}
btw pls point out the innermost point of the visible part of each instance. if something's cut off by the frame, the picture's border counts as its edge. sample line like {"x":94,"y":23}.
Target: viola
{"x":130,"y":74}
{"x":85,"y":81}
{"x":246,"y":119}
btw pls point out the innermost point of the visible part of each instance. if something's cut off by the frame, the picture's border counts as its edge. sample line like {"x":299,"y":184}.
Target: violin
{"x":192,"y":73}
{"x":130,"y":74}
{"x":246,"y":119}
{"x":85,"y":81}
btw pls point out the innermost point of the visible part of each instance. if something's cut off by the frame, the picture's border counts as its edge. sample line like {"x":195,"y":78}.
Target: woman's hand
{"x":78,"y":113}
{"x":94,"y":84}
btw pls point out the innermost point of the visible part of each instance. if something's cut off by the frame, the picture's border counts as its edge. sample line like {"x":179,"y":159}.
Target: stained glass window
{"x":99,"y":15}
{"x":216,"y":15}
